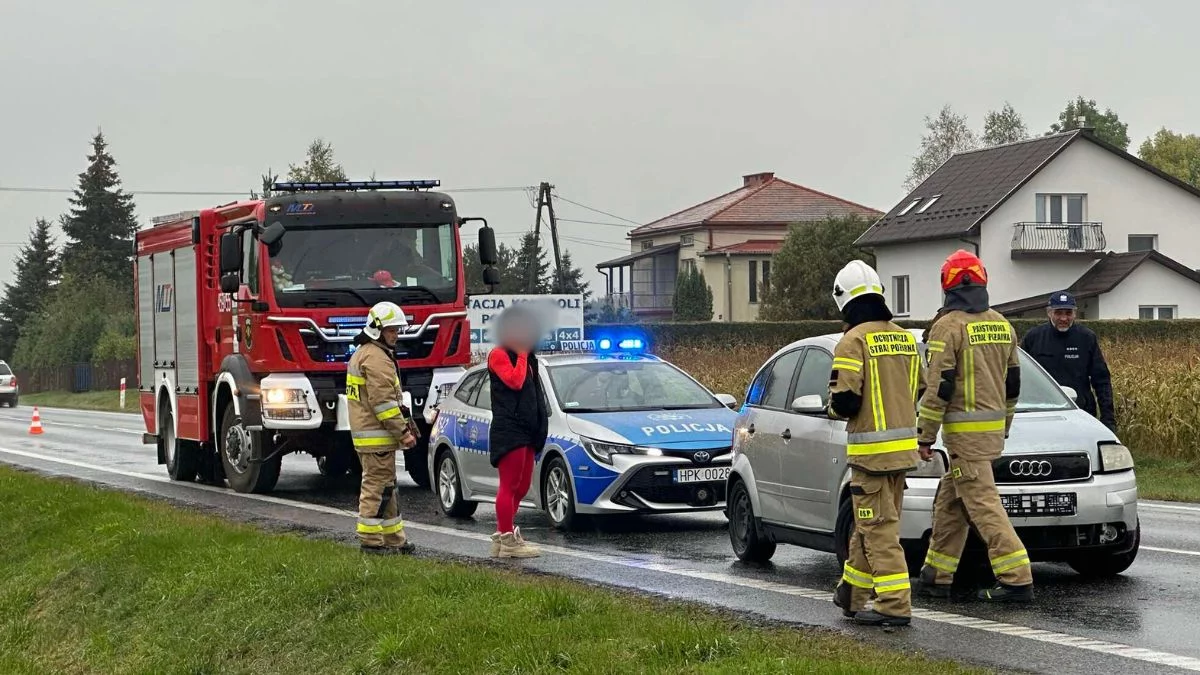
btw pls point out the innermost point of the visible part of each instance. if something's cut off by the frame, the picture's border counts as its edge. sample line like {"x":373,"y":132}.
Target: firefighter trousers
{"x":876,"y":559}
{"x":966,"y":496}
{"x":379,"y":521}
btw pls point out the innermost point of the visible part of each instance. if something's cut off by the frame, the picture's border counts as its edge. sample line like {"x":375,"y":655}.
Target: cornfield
{"x":1156,"y":387}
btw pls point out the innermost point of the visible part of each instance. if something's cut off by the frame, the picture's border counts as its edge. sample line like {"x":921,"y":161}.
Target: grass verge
{"x":1175,"y":480}
{"x":102,"y":582}
{"x":91,"y":400}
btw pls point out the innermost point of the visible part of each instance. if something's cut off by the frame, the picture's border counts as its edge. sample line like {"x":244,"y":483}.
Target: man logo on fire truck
{"x":220,"y":403}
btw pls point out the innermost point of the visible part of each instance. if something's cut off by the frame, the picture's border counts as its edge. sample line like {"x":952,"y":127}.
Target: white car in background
{"x":10,"y":392}
{"x":1066,"y":481}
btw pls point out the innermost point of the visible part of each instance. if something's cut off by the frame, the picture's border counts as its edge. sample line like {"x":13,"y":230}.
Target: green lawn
{"x":92,"y":400}
{"x":1174,"y":480}
{"x":103,"y":582}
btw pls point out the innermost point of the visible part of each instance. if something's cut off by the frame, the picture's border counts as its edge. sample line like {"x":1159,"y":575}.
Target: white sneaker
{"x":511,"y":548}
{"x":496,"y":545}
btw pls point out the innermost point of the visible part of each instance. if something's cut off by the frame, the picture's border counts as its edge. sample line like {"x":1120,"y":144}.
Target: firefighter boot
{"x":841,"y":599}
{"x":511,"y":548}
{"x":406,"y":549}
{"x":1003,"y":593}
{"x":870,"y":617}
{"x":928,"y":587}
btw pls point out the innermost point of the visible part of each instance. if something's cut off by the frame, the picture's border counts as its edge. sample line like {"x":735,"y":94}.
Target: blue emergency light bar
{"x":354,"y":185}
{"x":605,"y":345}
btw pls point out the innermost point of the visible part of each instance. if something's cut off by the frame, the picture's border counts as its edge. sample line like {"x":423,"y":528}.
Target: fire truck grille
{"x":324,"y":351}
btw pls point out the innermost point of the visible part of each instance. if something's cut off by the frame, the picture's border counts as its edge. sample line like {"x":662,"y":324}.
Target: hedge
{"x":719,"y":334}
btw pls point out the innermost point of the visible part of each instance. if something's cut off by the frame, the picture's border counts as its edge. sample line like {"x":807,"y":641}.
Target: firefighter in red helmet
{"x":974,"y":381}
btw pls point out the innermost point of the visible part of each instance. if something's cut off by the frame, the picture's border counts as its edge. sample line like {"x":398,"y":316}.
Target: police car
{"x":628,"y":433}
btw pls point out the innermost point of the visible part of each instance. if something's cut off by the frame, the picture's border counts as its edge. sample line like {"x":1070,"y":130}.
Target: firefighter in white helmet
{"x":874,"y":385}
{"x":379,"y":426}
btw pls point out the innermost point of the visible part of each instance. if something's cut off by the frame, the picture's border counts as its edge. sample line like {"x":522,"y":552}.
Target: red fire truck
{"x":247,"y":314}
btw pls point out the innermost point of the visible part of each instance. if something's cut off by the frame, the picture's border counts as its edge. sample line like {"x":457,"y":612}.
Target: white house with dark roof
{"x":1048,"y":214}
{"x":731,"y":239}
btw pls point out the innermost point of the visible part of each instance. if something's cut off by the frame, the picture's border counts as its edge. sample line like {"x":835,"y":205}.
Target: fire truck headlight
{"x":280,"y":403}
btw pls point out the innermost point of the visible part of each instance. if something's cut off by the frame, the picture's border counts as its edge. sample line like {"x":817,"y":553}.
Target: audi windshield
{"x":365,"y":264}
{"x":1039,"y":391}
{"x":612,"y":386}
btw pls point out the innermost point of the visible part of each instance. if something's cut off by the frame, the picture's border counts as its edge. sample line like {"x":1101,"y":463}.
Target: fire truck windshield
{"x":365,"y":264}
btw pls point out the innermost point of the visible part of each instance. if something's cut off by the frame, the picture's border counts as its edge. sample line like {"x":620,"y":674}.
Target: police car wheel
{"x":449,"y":488}
{"x":558,"y":496}
{"x":749,"y":544}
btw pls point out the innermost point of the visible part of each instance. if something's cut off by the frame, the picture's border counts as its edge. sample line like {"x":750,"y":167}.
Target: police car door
{"x":470,"y":431}
{"x":484,"y":478}
{"x":811,"y":463}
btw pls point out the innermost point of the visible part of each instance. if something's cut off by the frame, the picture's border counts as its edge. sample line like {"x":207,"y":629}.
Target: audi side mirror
{"x":1071,"y":393}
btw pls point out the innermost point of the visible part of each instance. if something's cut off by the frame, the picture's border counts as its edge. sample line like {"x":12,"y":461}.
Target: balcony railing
{"x":1058,"y":239}
{"x":642,"y":302}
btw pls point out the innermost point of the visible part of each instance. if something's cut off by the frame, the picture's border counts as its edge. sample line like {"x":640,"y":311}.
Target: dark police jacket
{"x":1074,"y":360}
{"x":519,"y":414}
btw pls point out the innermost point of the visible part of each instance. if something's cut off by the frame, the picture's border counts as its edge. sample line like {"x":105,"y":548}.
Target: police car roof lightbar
{"x":354,"y":185}
{"x":605,"y":345}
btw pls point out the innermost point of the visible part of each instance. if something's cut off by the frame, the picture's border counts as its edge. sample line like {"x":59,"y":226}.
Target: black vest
{"x":519,"y":418}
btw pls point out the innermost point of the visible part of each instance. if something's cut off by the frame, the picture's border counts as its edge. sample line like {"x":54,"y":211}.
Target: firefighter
{"x":974,"y":382}
{"x":876,"y":380}
{"x":379,"y":426}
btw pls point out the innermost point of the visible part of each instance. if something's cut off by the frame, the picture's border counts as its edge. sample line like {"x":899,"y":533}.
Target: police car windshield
{"x":1038,"y":390}
{"x":408,"y":264}
{"x":611,"y":386}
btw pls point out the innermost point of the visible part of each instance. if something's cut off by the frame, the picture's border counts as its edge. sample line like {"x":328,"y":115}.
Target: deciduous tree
{"x":1176,"y":154}
{"x":1108,"y":126}
{"x":945,"y":135}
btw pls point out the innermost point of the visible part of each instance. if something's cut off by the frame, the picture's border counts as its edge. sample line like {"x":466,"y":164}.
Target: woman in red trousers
{"x":519,"y":424}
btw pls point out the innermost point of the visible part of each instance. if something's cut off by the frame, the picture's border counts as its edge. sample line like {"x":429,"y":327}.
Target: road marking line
{"x":1168,"y":507}
{"x":986,"y":625}
{"x":1169,"y":550}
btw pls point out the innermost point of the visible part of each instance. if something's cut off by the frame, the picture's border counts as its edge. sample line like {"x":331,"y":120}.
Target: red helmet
{"x":963,"y":268}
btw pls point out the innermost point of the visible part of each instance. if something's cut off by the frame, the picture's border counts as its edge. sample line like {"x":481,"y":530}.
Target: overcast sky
{"x":634,"y":108}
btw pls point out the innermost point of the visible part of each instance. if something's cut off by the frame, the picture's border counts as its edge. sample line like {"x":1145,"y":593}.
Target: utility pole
{"x":544,"y":200}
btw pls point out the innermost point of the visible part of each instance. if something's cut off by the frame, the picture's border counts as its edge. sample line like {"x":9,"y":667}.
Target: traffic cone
{"x":35,"y":428}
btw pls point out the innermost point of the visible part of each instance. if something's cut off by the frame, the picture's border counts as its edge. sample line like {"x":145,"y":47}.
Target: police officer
{"x":1071,"y":354}
{"x":379,"y":426}
{"x":875,"y":382}
{"x":974,"y":383}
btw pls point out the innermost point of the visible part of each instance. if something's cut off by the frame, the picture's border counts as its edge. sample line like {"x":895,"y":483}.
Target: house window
{"x":1164,"y":312}
{"x":687,"y":239}
{"x":753,"y":281}
{"x":1064,"y":208}
{"x":910,"y":207}
{"x":900,"y":295}
{"x":689,"y":265}
{"x":929,"y":203}
{"x":647,"y":244}
{"x":1143,"y":242}
{"x":766,"y":274}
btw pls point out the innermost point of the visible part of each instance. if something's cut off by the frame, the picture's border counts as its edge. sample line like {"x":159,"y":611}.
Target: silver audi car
{"x":1066,"y":481}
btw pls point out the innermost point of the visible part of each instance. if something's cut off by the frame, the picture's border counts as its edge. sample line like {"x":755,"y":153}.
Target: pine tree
{"x":693,"y":298}
{"x":532,"y":268}
{"x":318,"y":165}
{"x":506,"y":264}
{"x":571,"y":279}
{"x":101,"y":224}
{"x":36,"y":275}
{"x":802,"y":272}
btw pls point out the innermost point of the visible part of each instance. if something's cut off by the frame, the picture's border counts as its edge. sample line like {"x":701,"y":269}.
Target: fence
{"x":79,"y":377}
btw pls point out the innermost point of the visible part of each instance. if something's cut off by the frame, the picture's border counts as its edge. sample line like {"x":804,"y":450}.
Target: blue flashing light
{"x":630,"y":344}
{"x":605,"y":344}
{"x":353,"y":185}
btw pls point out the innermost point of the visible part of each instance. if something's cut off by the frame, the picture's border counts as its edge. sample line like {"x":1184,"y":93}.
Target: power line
{"x":223,"y":193}
{"x":589,"y":208}
{"x":593,"y":222}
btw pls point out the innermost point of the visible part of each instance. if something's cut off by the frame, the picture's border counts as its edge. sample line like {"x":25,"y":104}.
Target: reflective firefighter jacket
{"x":975,"y":380}
{"x":377,"y":422}
{"x":876,"y":379}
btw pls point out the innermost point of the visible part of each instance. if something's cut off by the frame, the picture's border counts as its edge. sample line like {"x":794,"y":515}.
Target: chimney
{"x":757,"y":179}
{"x":1081,"y":123}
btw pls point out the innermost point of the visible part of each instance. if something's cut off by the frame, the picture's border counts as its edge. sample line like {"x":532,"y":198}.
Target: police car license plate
{"x":706,"y":474}
{"x":1048,"y":504}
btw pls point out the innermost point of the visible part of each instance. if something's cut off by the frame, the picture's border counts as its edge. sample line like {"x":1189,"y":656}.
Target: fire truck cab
{"x":247,"y":315}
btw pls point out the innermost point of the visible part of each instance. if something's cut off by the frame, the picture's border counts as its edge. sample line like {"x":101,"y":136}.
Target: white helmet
{"x":854,"y":281}
{"x":384,"y":315}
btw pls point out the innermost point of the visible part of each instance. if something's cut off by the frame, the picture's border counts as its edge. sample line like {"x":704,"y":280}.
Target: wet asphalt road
{"x":1143,"y":621}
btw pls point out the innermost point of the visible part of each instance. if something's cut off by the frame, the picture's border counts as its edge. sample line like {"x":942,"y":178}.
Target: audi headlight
{"x":603,"y":452}
{"x":285,"y":403}
{"x":934,"y":468}
{"x":1115,"y":457}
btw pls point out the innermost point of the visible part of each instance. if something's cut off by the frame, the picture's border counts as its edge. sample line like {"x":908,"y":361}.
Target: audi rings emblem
{"x":1030,"y":468}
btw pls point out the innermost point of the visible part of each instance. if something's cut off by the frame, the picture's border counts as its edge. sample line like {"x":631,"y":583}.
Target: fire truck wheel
{"x":183,"y":460}
{"x":415,"y":462}
{"x":237,"y":446}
